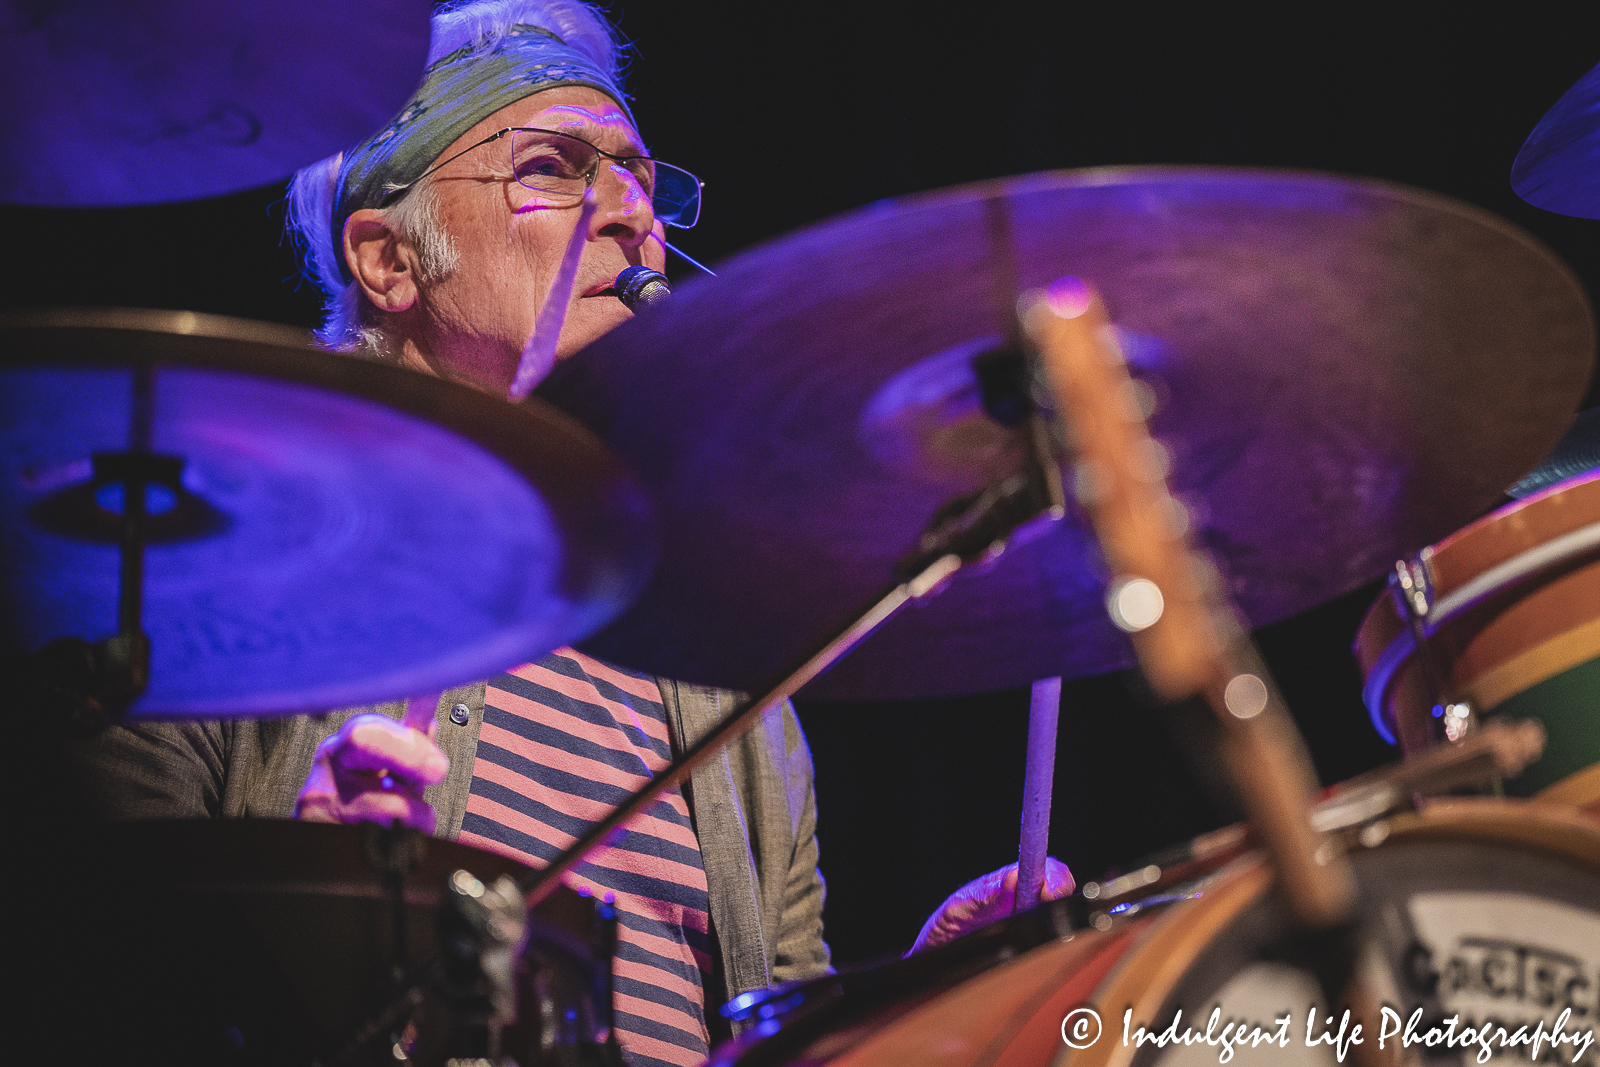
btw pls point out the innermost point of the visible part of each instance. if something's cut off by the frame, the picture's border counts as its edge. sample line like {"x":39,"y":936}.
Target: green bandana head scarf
{"x":456,"y":94}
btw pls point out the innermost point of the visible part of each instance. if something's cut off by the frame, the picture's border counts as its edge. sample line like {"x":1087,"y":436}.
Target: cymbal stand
{"x":973,"y":528}
{"x":96,"y":682}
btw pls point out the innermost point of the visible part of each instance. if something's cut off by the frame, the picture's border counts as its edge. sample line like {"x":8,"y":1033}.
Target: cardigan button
{"x":460,"y":714}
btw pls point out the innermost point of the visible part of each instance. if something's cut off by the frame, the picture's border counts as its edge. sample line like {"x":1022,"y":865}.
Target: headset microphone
{"x":640,"y":287}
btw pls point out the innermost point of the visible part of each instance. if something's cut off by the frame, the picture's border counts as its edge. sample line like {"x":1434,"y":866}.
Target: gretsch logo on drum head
{"x":1506,"y":960}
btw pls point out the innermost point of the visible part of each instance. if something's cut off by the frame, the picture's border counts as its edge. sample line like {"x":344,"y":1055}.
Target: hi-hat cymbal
{"x":1347,"y":370}
{"x":343,"y":533}
{"x":151,"y":101}
{"x":1558,"y":167}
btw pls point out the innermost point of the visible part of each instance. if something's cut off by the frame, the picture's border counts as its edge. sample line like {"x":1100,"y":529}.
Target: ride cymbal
{"x":1346,"y":370}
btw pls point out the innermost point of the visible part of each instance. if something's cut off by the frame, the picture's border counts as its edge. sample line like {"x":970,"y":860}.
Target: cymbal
{"x":1346,"y":370}
{"x":1578,"y":452}
{"x":1558,"y":167}
{"x":114,"y":104}
{"x":344,"y":532}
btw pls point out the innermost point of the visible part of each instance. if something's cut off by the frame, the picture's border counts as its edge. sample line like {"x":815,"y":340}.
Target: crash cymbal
{"x":343,"y":532}
{"x":150,"y":101}
{"x":1558,"y":168}
{"x":1346,"y":370}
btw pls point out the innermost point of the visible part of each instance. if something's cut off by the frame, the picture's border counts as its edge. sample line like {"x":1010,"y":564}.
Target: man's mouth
{"x":603,"y":289}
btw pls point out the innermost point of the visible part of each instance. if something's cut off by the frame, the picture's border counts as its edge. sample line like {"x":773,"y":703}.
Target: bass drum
{"x":1484,"y":909}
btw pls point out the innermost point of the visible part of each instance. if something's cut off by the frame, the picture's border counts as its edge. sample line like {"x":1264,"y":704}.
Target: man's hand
{"x":986,"y":900}
{"x":374,"y":770}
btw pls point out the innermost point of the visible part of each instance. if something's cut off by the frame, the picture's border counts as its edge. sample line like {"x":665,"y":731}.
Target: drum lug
{"x":1412,"y":585}
{"x":1458,"y":719}
{"x":482,"y":927}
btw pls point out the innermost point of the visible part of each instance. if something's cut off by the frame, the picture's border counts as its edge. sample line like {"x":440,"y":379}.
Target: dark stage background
{"x":792,"y":113}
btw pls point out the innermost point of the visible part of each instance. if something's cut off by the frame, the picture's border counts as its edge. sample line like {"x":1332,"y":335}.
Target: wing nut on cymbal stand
{"x":92,"y":684}
{"x":980,"y":525}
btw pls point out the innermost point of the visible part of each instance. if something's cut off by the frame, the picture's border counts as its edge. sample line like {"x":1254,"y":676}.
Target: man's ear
{"x":384,"y":266}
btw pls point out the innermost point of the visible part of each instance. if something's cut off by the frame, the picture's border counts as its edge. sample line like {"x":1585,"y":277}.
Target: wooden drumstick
{"x":422,"y":711}
{"x":1038,"y":778}
{"x":539,"y":354}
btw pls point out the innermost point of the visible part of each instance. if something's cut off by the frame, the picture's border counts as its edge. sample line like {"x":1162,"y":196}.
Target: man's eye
{"x":545,"y":167}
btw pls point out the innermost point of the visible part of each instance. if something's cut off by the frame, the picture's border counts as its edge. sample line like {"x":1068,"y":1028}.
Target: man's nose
{"x":625,"y":213}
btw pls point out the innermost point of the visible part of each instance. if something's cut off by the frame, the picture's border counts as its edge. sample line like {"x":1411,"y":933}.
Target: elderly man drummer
{"x":438,"y":242}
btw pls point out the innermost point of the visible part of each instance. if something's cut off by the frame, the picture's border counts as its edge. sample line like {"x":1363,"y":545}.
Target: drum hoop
{"x":1538,"y":825}
{"x":1580,"y":789}
{"x":1092,"y":947}
{"x":1146,"y":976}
{"x":1497,"y":579}
{"x":1167,"y":949}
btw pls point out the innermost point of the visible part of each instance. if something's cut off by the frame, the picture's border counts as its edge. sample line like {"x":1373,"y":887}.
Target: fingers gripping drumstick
{"x":420,"y":715}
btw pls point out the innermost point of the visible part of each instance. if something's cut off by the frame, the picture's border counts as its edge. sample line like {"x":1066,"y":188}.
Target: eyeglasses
{"x":561,"y":167}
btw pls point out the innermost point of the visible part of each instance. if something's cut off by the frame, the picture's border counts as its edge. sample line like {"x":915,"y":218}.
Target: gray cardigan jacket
{"x":753,"y":807}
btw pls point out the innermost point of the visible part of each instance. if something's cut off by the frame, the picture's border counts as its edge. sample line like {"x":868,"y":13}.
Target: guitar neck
{"x":1171,"y":601}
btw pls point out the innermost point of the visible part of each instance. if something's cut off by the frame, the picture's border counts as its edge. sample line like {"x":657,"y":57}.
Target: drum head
{"x":1484,"y":931}
{"x":1484,"y":910}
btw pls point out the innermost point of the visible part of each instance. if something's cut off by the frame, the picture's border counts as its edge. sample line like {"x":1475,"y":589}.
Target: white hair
{"x":350,"y":323}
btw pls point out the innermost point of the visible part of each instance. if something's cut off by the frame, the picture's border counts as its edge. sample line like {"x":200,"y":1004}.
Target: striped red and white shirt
{"x":564,"y":740}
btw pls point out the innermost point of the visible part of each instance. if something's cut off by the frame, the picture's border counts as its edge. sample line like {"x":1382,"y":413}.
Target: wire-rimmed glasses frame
{"x":674,"y":192}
